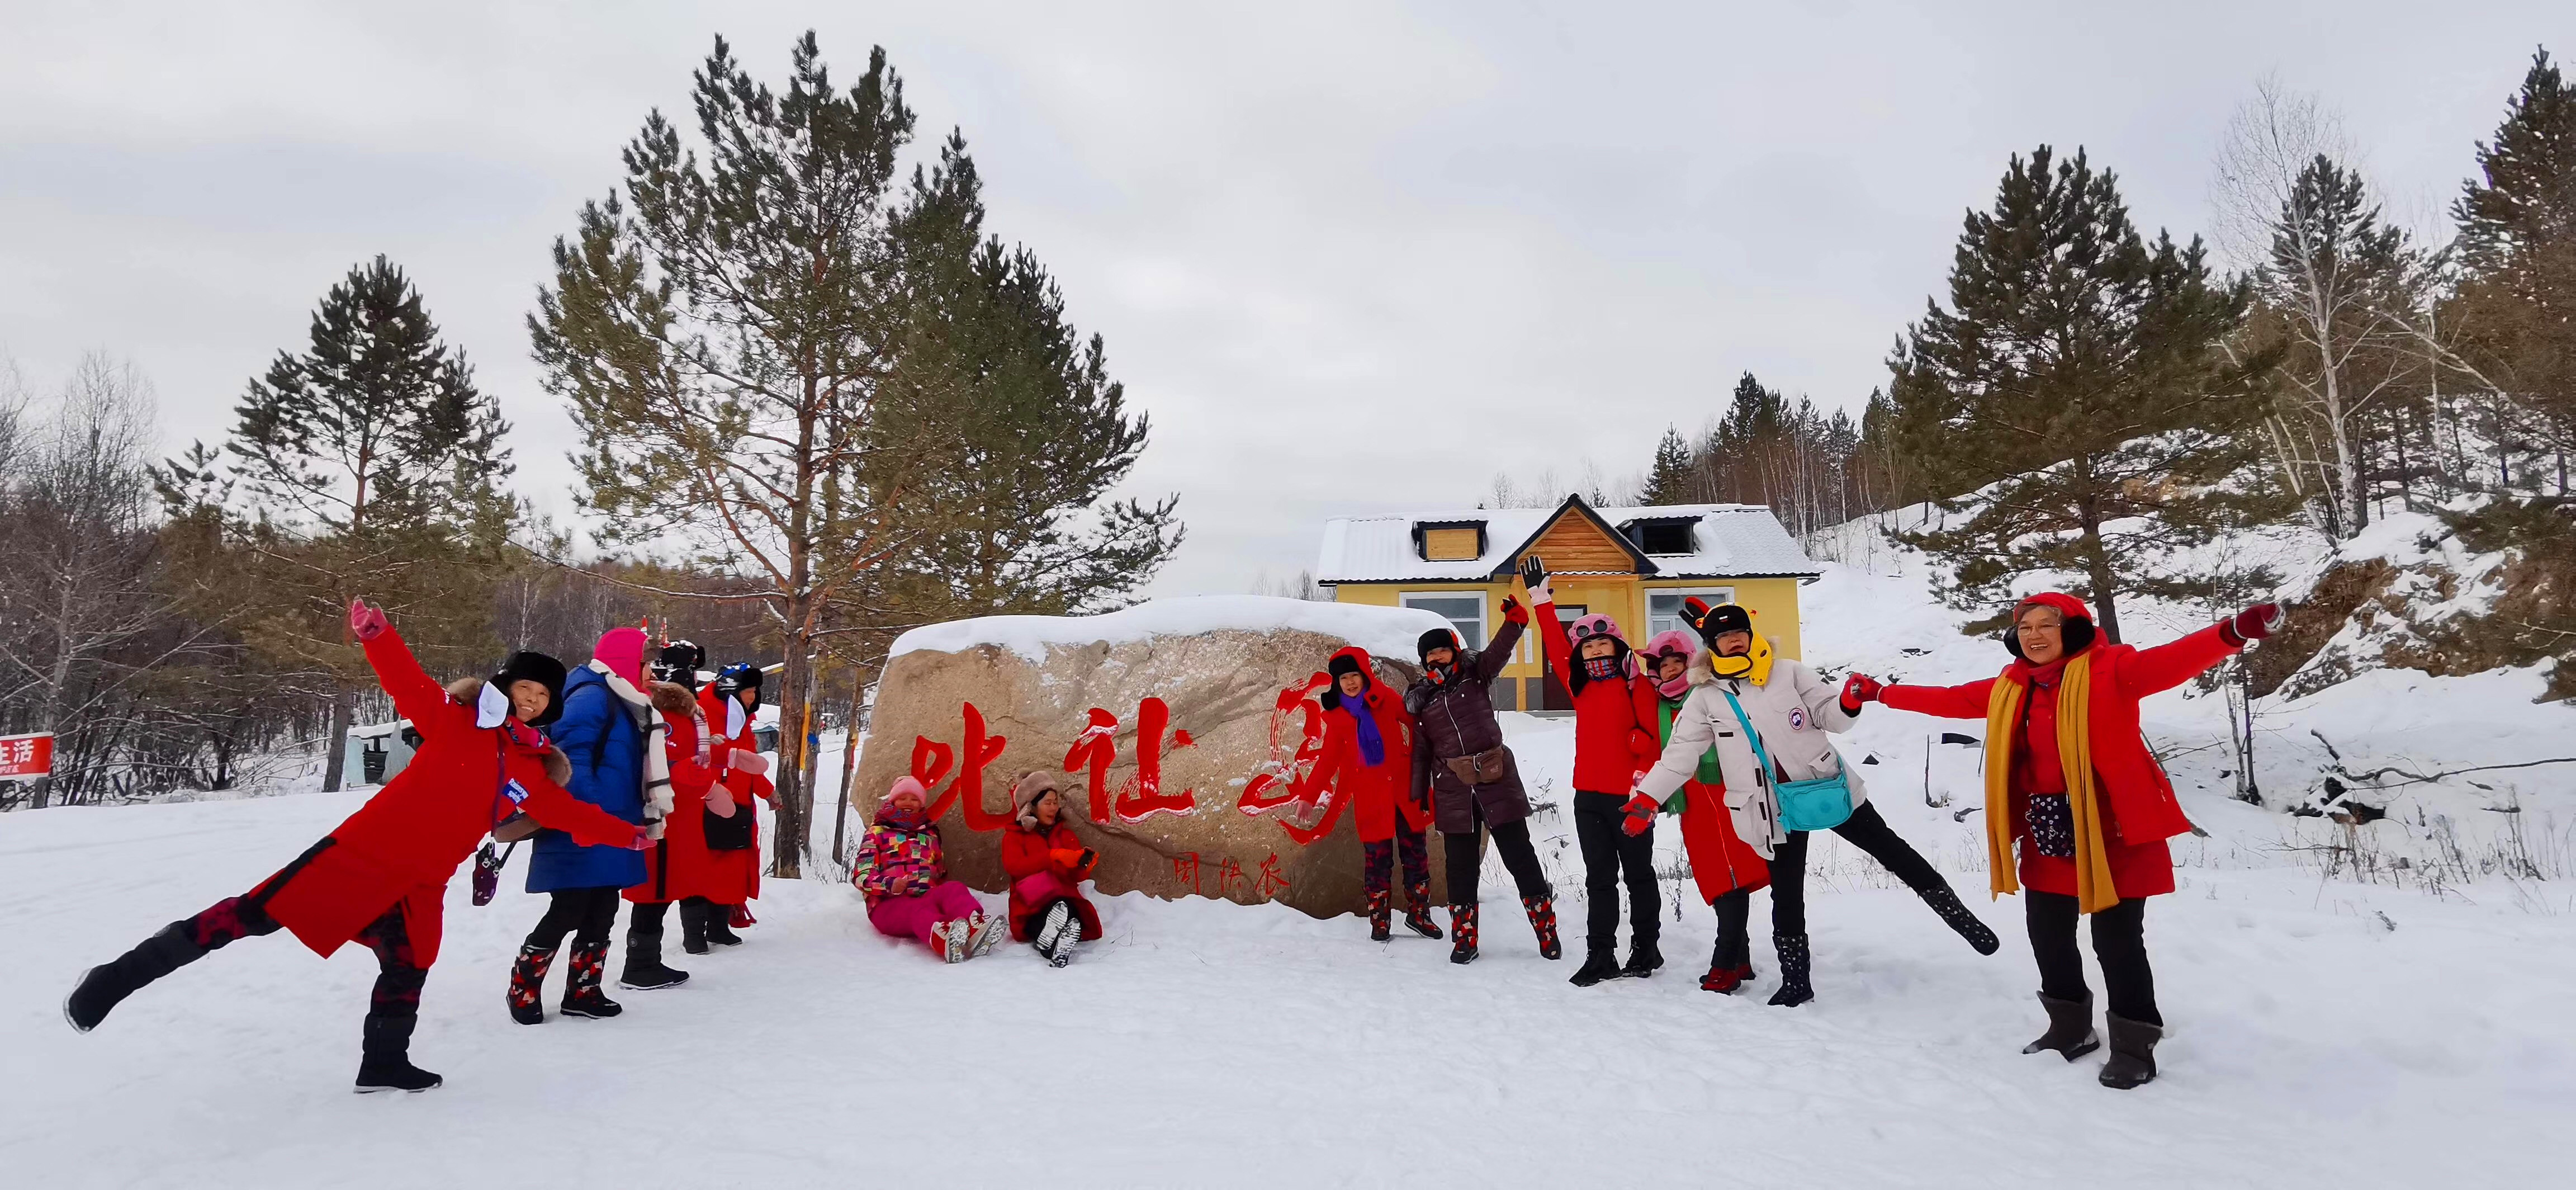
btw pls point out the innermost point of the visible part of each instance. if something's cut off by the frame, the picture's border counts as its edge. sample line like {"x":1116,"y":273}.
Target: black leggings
{"x":585,"y":913}
{"x":1465,"y":854}
{"x":2119,"y":942}
{"x":399,"y":975}
{"x":1865,"y":830}
{"x":1610,"y":853}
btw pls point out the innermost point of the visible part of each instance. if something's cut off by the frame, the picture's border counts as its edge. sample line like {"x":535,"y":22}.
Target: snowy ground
{"x":2324,"y":1034}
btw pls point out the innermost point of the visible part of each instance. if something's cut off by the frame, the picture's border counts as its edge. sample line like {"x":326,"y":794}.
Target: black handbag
{"x":731,"y":834}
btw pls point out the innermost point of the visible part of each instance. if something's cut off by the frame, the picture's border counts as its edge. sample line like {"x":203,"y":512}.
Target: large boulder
{"x":1183,"y":730}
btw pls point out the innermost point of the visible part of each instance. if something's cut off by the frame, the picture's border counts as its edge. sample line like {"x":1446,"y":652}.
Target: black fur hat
{"x":524,"y":666}
{"x":1437,"y":638}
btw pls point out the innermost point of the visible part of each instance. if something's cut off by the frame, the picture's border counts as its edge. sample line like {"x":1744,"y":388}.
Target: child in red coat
{"x":1611,"y":746}
{"x":1047,"y":866}
{"x":379,"y":877}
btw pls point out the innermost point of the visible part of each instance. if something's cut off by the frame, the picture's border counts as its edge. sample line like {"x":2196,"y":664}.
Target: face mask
{"x":1730,"y":667}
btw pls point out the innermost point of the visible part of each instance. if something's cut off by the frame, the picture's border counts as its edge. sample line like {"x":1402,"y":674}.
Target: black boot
{"x":1643,"y":958}
{"x":582,"y":996}
{"x":109,"y":983}
{"x":2070,"y":1028}
{"x":528,"y":984}
{"x":1946,"y":903}
{"x":1417,"y":910}
{"x":1462,"y":934}
{"x":693,"y":925}
{"x":1793,"y":971}
{"x":644,"y":970}
{"x":1599,"y":963}
{"x":385,"y":1057}
{"x":719,"y":919}
{"x":1380,"y":909}
{"x":2133,"y":1053}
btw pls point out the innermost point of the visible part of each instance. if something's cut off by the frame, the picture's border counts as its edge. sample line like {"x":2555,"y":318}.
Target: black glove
{"x":1533,"y":571}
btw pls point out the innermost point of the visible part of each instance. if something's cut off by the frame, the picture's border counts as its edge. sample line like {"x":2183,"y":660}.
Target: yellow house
{"x":1634,"y":564}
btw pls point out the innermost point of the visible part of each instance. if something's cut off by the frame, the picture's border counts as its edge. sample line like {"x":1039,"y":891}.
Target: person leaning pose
{"x":1612,"y":744}
{"x":612,"y":731}
{"x":1725,"y":867}
{"x":1459,"y":757}
{"x":909,"y":894}
{"x":2071,"y":784}
{"x":1047,"y":864}
{"x":380,"y":876}
{"x":1368,"y":758}
{"x":1743,"y":686}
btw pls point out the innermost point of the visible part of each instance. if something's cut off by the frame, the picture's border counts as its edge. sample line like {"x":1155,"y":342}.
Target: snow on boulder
{"x":1185,"y":732}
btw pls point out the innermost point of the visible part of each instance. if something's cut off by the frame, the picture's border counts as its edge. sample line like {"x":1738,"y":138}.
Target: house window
{"x":1452,"y":545}
{"x":1464,"y":611}
{"x":1665,"y":537}
{"x":1664,"y":606}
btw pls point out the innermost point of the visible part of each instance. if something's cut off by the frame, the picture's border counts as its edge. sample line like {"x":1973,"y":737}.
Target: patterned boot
{"x":1794,"y":990}
{"x":1379,"y":908}
{"x":528,"y":984}
{"x":1417,"y":909}
{"x":582,"y":996}
{"x":1462,"y":934}
{"x":1542,"y":915}
{"x":1945,"y":902}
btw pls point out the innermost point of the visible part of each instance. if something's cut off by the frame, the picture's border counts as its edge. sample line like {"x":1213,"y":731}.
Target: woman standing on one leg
{"x":1611,"y":744}
{"x":611,"y":730}
{"x":2071,"y":784}
{"x":1725,"y":868}
{"x":1367,"y":761}
{"x":1742,"y":680}
{"x":1460,"y":757}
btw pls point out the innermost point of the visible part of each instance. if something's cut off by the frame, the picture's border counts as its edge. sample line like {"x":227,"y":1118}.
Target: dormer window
{"x":1664,"y":535}
{"x":1449,"y":541}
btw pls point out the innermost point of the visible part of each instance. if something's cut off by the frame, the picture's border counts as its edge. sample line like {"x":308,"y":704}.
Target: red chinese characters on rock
{"x":1142,"y":796}
{"x":1290,"y":779}
{"x":932,"y":759}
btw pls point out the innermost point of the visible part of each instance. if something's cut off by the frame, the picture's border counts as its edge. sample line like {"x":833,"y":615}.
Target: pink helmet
{"x":1674,"y":642}
{"x":1596,"y":624}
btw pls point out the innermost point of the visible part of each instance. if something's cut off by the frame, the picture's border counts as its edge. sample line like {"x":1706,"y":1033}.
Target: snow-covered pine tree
{"x":2517,"y":247}
{"x":2079,"y":371}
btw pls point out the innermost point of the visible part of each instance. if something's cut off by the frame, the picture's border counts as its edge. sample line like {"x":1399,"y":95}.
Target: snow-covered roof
{"x":1385,"y":630}
{"x":1729,"y":540}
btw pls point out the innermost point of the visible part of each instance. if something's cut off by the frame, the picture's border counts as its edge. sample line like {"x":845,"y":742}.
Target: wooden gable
{"x":1577,"y":540}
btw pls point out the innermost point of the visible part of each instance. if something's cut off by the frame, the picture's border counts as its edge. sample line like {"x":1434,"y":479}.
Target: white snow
{"x":1386,"y":630}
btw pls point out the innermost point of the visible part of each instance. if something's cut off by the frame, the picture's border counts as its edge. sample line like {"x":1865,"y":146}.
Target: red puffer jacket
{"x":724,"y":877}
{"x":2139,"y":810}
{"x":1382,"y":791}
{"x":1611,"y":745}
{"x":680,"y":865}
{"x":405,"y":843}
{"x":1043,"y":870}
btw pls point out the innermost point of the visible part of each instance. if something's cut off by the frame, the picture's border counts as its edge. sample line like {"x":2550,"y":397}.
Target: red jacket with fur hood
{"x":1380,"y":792}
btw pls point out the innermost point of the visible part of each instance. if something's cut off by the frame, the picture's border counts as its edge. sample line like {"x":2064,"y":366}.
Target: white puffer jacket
{"x":1792,"y":710}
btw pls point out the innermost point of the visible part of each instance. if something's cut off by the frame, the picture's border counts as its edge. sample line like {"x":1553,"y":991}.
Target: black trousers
{"x":1611,"y":854}
{"x":1734,"y":937}
{"x":1465,"y":854}
{"x":2119,"y":942}
{"x":1865,"y":830}
{"x":585,"y":913}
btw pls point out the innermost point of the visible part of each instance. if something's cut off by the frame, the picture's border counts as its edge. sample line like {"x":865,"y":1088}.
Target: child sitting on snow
{"x":908,"y":889}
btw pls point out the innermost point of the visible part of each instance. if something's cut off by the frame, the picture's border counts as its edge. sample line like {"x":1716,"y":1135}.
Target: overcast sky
{"x":1351,"y":258}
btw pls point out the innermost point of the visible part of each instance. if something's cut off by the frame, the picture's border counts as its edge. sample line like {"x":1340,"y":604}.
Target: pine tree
{"x":1668,"y":480}
{"x":2518,"y":250}
{"x":2078,"y":378}
{"x":369,"y":465}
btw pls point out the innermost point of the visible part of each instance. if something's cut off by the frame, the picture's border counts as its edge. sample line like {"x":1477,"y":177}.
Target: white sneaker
{"x":983,"y":932}
{"x":1058,"y":935}
{"x":948,"y":939}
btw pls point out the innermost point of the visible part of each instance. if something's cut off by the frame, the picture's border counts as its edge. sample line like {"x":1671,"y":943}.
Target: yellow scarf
{"x":2093,"y":888}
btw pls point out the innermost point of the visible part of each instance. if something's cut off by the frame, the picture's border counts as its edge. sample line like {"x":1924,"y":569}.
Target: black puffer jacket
{"x":1456,"y":718}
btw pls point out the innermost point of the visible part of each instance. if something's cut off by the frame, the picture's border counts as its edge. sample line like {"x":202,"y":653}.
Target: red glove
{"x":643,"y":839}
{"x":1859,"y":689}
{"x":1514,"y":612}
{"x":366,"y":623}
{"x":2255,"y":623}
{"x":1641,"y":814}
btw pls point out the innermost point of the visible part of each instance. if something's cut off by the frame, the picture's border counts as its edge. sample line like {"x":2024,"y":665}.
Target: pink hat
{"x":907,"y":783}
{"x":622,"y":651}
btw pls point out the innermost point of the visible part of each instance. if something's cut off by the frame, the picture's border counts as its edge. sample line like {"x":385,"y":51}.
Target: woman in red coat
{"x":1725,"y":868}
{"x":1367,"y":761}
{"x":1611,"y":746}
{"x":379,"y":877}
{"x":694,"y":765}
{"x":712,"y":866}
{"x":1047,"y":865}
{"x":2071,"y":784}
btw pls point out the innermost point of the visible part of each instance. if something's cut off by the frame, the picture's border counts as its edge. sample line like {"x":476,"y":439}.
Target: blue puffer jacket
{"x":598,"y":733}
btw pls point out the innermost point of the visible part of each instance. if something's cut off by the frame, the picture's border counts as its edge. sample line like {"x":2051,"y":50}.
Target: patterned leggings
{"x":1378,"y":860}
{"x":399,"y":975}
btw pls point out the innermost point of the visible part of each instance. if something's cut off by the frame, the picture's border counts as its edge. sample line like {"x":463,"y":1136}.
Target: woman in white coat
{"x":1791,"y":710}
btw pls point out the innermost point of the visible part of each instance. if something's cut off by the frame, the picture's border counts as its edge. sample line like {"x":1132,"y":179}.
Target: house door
{"x":1553,"y":693}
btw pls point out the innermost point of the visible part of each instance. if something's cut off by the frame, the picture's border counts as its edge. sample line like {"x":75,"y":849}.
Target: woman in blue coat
{"x":607,"y":732}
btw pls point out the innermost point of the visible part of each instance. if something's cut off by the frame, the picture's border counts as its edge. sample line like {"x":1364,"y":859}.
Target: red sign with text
{"x":26,"y":755}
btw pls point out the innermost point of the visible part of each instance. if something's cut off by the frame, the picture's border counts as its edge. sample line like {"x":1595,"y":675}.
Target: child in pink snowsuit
{"x":909,"y":893}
